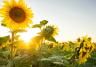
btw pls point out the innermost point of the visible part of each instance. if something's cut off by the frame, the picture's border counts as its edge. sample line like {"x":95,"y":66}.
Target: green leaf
{"x":59,"y":63}
{"x":2,"y":24}
{"x":3,"y":61}
{"x":36,"y":26}
{"x":4,"y":39}
{"x":6,"y":53}
{"x":43,"y":22}
{"x":22,"y":61}
{"x":52,"y":39}
{"x":45,"y":59}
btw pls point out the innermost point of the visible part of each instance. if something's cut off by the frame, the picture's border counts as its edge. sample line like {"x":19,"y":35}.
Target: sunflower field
{"x":43,"y":50}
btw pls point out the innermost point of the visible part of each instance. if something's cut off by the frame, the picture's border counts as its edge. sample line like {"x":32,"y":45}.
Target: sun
{"x":27,"y":36}
{"x":16,"y":14}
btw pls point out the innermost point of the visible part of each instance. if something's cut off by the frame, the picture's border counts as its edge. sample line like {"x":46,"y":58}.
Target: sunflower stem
{"x":12,"y":48}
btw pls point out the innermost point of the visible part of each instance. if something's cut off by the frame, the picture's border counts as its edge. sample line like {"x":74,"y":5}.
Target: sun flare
{"x":27,"y":36}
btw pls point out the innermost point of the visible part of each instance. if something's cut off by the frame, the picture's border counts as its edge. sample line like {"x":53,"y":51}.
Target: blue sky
{"x":75,"y":18}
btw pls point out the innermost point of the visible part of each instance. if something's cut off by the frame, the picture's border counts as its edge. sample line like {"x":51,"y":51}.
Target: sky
{"x":74,"y":18}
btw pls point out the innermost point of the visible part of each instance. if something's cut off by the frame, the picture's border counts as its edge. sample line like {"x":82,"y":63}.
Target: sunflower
{"x":49,"y":31}
{"x":85,"y":49}
{"x":16,"y":15}
{"x":83,"y":57}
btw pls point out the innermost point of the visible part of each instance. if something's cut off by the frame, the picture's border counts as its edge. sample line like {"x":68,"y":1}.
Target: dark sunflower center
{"x":17,"y":14}
{"x":84,"y":53}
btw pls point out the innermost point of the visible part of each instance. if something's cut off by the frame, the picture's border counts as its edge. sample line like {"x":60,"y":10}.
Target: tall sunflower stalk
{"x":12,"y":46}
{"x":12,"y":49}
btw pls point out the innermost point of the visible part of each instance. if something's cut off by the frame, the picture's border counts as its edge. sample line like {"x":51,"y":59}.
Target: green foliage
{"x":36,"y":26}
{"x":53,"y":57}
{"x":51,"y":39}
{"x":4,"y":39}
{"x":22,"y":61}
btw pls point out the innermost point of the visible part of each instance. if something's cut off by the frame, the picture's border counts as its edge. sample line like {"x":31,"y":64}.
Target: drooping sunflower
{"x":83,"y":57}
{"x":85,"y":49}
{"x":16,"y":15}
{"x":49,"y":31}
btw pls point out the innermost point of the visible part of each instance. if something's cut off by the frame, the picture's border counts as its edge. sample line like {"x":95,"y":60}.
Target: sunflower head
{"x":83,"y":57}
{"x":16,"y":14}
{"x":85,"y":49}
{"x":49,"y":31}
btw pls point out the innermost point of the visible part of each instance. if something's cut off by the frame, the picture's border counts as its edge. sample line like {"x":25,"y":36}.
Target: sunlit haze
{"x":27,"y":36}
{"x":74,"y":18}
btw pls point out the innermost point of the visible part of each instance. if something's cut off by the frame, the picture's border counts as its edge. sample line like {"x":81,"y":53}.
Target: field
{"x":42,"y":50}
